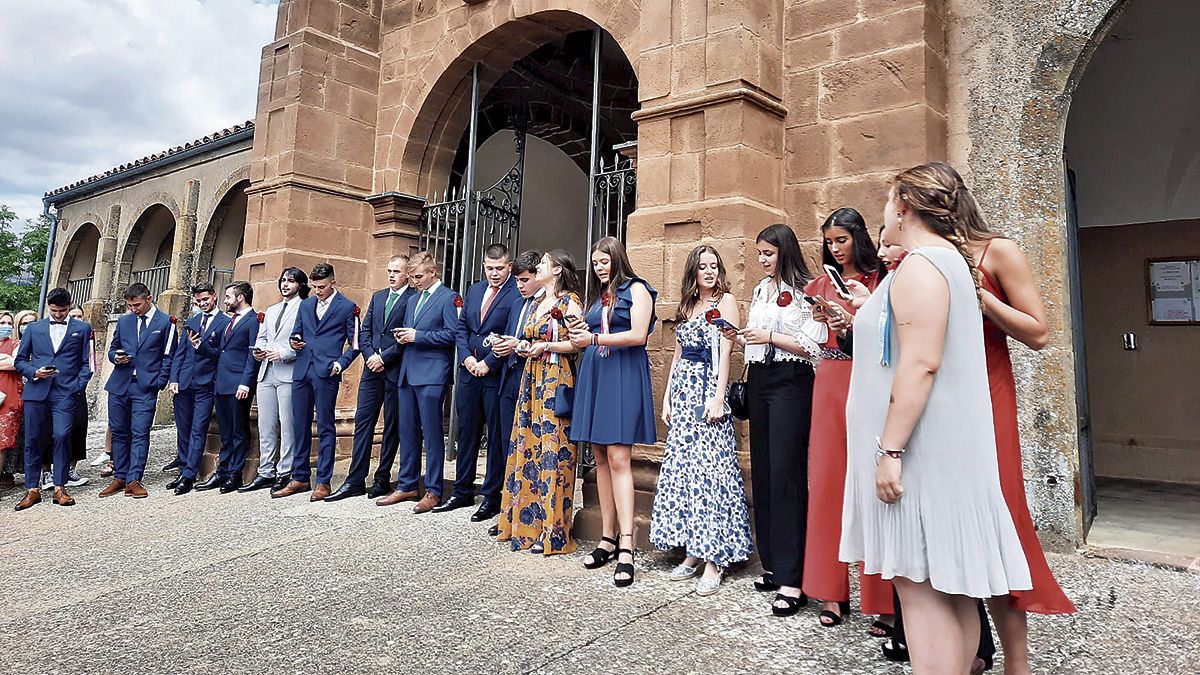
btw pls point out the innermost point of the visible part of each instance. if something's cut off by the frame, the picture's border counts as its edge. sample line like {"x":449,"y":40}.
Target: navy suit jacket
{"x":152,"y":355}
{"x":375,"y":335}
{"x":324,"y":339}
{"x":73,"y":359}
{"x":512,"y":365}
{"x":195,"y":369}
{"x":471,"y":331}
{"x":427,"y":360}
{"x":236,"y":366}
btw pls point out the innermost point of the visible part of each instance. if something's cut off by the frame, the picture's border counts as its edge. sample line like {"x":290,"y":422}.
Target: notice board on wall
{"x":1173,"y":291}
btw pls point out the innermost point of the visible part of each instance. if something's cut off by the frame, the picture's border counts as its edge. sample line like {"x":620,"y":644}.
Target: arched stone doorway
{"x":222,"y":239}
{"x":78,"y":268}
{"x":146,"y":254}
{"x":1132,"y":155}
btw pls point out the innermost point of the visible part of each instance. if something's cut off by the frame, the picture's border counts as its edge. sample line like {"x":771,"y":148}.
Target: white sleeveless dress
{"x":952,"y":526}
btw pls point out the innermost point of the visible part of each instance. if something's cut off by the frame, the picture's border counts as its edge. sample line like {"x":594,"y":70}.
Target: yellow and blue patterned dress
{"x":538,"y":500}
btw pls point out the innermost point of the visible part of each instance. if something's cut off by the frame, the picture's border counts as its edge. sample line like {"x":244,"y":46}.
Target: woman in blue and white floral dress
{"x":700,"y":503}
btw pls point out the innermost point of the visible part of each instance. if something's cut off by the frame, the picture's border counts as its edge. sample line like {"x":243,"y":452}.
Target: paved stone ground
{"x":215,"y":583}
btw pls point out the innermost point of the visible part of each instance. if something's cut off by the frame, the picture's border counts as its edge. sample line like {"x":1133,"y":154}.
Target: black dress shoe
{"x":380,"y":488}
{"x":494,"y":531}
{"x":258,"y":483}
{"x":172,"y":466}
{"x":487,"y":510}
{"x":231,"y":485}
{"x":281,"y":482}
{"x":175,"y":483}
{"x":185,"y":486}
{"x":214,"y":481}
{"x":453,"y":503}
{"x":347,"y":490}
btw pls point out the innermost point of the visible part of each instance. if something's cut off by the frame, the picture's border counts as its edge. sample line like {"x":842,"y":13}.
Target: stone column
{"x":176,"y":300}
{"x":397,"y":230}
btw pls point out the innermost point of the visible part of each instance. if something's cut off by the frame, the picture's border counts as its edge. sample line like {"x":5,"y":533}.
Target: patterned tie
{"x":488,"y":296}
{"x":393,"y":296}
{"x":421,"y":303}
{"x":204,"y":323}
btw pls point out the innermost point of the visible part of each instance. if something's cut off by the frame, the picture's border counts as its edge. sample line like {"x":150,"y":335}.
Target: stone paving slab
{"x":211,"y":583}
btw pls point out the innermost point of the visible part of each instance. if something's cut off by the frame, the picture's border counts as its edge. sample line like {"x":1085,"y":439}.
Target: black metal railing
{"x":155,"y":278}
{"x":614,"y":197}
{"x":81,"y":289}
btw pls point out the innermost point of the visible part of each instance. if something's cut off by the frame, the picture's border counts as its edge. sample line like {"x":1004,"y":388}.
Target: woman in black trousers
{"x":782,"y":344}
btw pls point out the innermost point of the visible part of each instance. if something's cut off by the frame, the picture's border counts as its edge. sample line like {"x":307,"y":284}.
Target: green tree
{"x":22,"y":254}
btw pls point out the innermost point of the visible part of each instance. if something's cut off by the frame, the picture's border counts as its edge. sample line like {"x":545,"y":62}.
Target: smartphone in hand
{"x":723,"y":324}
{"x":843,"y":290}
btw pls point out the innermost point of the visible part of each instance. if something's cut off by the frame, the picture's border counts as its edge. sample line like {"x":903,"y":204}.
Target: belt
{"x":697,"y":355}
{"x":835,"y":355}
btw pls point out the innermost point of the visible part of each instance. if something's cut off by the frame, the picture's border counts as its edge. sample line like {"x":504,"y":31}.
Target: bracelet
{"x":885,"y":452}
{"x":595,"y":340}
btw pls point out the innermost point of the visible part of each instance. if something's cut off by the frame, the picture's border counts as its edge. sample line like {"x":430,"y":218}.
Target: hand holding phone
{"x":297,"y":341}
{"x":722,"y":324}
{"x":839,"y":284}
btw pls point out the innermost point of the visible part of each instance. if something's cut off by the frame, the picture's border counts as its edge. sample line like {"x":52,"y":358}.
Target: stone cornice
{"x":306,"y":184}
{"x":698,"y":102}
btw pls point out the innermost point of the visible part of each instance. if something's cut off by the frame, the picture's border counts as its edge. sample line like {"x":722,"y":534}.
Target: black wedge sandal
{"x":766,"y":584}
{"x":830,"y":619}
{"x":793,"y":604}
{"x":601,"y":556}
{"x":623,"y":568}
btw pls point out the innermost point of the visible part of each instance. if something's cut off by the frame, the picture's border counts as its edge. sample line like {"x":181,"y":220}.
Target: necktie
{"x":229,"y":328}
{"x":141,"y":326}
{"x":279,"y":319}
{"x":58,"y":323}
{"x":488,"y":296}
{"x":204,"y":323}
{"x":393,"y":296}
{"x":421,"y":303}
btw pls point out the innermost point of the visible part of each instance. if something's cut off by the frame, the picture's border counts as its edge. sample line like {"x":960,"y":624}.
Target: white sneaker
{"x":47,"y":480}
{"x":99,"y":459}
{"x":75,"y":480}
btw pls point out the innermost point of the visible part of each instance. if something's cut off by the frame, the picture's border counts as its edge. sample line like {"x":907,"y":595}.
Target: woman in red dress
{"x":849,"y":249}
{"x":10,"y":386}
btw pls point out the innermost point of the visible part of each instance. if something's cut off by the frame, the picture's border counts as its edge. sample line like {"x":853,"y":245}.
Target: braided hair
{"x":936,"y":192}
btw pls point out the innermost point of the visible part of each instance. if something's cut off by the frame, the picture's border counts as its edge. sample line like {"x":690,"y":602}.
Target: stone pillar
{"x":176,"y":300}
{"x":710,"y":166}
{"x":396,"y":231}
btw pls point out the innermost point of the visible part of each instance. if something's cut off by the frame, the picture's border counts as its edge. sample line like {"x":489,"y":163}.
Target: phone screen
{"x":722,"y":323}
{"x":836,"y":277}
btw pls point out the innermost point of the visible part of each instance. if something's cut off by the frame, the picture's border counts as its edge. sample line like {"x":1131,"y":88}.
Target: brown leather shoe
{"x":427,"y":502}
{"x":61,"y":498}
{"x":113,"y":488}
{"x":320,"y":492}
{"x":136,"y":490}
{"x":32,"y":497}
{"x":396,"y":497}
{"x":292,"y":488}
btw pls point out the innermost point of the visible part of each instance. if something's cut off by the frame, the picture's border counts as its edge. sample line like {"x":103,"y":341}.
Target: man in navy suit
{"x":191,"y":382}
{"x":142,"y":351}
{"x":486,"y":308}
{"x":325,"y":339}
{"x":56,"y":360}
{"x":511,"y":367}
{"x":428,"y":337}
{"x":378,"y":387}
{"x":237,"y":370}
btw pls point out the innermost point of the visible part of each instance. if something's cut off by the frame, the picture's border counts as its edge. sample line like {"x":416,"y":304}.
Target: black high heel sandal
{"x":601,"y":556}
{"x":766,"y":584}
{"x":834,"y":619}
{"x":793,"y":604}
{"x":894,"y":651}
{"x":880,"y":629}
{"x":623,"y":568}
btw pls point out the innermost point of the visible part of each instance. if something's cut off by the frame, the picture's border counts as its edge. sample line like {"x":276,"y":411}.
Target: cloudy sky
{"x":86,"y":85}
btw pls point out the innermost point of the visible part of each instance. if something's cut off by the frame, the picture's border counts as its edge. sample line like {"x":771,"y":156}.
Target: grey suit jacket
{"x":269,"y":338}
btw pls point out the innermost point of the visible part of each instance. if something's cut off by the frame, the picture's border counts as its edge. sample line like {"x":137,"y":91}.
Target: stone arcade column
{"x":176,"y":300}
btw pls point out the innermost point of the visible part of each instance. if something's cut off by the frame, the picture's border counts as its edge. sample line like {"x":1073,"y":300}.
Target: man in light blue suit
{"x":193,"y":371}
{"x":237,"y":370}
{"x":428,"y":336}
{"x":325,"y":339}
{"x":142,"y":350}
{"x":56,"y":360}
{"x":486,"y":309}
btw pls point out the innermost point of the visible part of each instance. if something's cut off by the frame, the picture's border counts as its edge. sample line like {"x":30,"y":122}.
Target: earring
{"x":899,"y":220}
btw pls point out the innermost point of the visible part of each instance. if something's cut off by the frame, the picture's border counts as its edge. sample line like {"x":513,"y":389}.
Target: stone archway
{"x":222,"y":237}
{"x":77,"y":266}
{"x":147,"y":250}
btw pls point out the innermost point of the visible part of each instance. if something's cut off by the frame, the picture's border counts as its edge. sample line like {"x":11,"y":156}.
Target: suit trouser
{"x":233,"y":420}
{"x":203,"y":402}
{"x":375,"y":393}
{"x":78,"y":434}
{"x":421,"y":413}
{"x":57,"y":412}
{"x":130,"y":416}
{"x":275,"y":433}
{"x":185,"y":405}
{"x":308,"y":392}
{"x":508,"y":413}
{"x":477,"y":400}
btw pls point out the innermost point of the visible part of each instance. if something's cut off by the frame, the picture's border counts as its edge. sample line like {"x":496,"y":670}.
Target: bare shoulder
{"x":918,"y":278}
{"x":1005,"y":252}
{"x":728,"y":305}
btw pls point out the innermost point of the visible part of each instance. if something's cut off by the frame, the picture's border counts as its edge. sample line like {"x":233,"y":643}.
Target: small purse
{"x":564,"y":401}
{"x":737,"y":398}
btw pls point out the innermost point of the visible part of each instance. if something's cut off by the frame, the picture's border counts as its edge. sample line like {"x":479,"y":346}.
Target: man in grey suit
{"x":275,"y":383}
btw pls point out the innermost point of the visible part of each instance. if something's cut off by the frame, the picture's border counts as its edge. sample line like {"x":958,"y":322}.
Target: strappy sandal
{"x":766,"y":584}
{"x":623,"y":568}
{"x":894,"y":651}
{"x":879,"y":629}
{"x":831,"y":619}
{"x":601,"y":556}
{"x":793,"y":604}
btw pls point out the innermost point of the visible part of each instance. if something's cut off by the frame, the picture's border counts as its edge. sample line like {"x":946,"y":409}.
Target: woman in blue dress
{"x":614,"y":406}
{"x":700,"y":503}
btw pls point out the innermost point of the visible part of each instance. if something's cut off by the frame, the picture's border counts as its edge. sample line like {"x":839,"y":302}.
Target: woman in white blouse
{"x":782,"y":344}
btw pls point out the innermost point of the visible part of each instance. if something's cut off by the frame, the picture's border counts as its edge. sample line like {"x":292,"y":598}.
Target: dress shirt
{"x":795,"y":320}
{"x":232,"y":324}
{"x":58,"y":331}
{"x":323,"y":305}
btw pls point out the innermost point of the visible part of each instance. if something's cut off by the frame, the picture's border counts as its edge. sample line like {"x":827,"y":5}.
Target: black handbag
{"x":738,"y":399}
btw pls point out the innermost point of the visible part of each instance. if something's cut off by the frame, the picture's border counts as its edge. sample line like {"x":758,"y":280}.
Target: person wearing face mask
{"x":10,"y":404}
{"x":700,"y":501}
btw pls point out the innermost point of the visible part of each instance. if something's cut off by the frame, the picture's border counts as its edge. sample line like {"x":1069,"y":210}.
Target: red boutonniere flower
{"x":261,"y":317}
{"x":784,"y":299}
{"x":172,"y":318}
{"x":556,"y":314}
{"x":355,"y":312}
{"x":458,"y":301}
{"x":712,"y":315}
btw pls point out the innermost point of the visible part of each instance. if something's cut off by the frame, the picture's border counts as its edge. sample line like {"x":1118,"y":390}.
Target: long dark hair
{"x":865,"y":254}
{"x":689,"y":288}
{"x":568,"y":279}
{"x":619,"y":269}
{"x":297,"y":275}
{"x":790,"y":267}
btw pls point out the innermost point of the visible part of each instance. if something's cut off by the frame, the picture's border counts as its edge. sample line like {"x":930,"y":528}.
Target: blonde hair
{"x":421,"y":259}
{"x":936,"y":192}
{"x":17,"y":320}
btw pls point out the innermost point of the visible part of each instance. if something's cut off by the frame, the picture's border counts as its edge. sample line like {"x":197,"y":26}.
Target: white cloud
{"x":91,"y":84}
